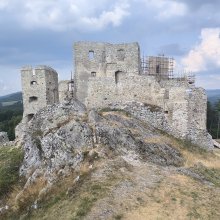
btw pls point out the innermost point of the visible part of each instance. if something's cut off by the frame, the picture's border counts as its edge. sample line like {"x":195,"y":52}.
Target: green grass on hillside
{"x":10,"y":161}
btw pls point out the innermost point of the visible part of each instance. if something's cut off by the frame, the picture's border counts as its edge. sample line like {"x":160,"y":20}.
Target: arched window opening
{"x":33,"y":72}
{"x":91,"y":55}
{"x":93,"y":74}
{"x":118,"y":76}
{"x":33,"y":99}
{"x":33,"y":83}
{"x":158,"y":69}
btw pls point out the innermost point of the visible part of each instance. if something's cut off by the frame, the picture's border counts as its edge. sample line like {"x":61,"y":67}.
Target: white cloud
{"x":61,"y":15}
{"x":166,"y":9}
{"x":113,"y":17}
{"x":206,"y":54}
{"x":3,"y":4}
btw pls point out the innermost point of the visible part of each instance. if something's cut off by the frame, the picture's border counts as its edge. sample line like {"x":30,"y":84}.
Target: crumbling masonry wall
{"x":107,"y":78}
{"x":103,"y":60}
{"x":39,"y":88}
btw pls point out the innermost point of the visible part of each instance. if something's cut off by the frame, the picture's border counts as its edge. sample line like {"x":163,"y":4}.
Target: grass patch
{"x":10,"y":161}
{"x":185,"y":144}
{"x":210,"y":174}
{"x":84,"y":207}
{"x":118,"y":217}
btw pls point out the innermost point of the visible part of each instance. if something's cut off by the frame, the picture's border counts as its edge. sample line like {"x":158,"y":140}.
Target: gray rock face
{"x":3,"y":138}
{"x":56,"y":139}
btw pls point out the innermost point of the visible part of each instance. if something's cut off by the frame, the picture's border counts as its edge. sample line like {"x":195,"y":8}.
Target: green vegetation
{"x":11,"y":110}
{"x":10,"y":161}
{"x":213,"y":119}
{"x":209,"y":174}
{"x":11,"y":97}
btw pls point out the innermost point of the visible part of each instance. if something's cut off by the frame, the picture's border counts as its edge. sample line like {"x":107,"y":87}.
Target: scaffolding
{"x":162,"y":67}
{"x":159,"y":66}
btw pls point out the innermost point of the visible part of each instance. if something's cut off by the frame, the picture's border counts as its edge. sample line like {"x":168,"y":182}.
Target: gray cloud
{"x":43,"y":32}
{"x":197,"y":4}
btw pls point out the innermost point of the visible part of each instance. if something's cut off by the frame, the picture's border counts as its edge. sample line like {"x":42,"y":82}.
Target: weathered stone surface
{"x":113,"y":73}
{"x":39,"y":88}
{"x":156,"y":117}
{"x":3,"y":138}
{"x":106,"y":78}
{"x":56,"y":138}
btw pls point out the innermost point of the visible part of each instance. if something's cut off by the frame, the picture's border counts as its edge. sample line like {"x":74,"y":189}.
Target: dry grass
{"x":180,"y":197}
{"x":191,"y":154}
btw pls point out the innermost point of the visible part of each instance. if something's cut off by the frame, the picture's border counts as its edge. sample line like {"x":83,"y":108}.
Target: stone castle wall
{"x":106,"y":74}
{"x":63,"y":90}
{"x":103,"y":60}
{"x":107,"y":78}
{"x":39,"y":88}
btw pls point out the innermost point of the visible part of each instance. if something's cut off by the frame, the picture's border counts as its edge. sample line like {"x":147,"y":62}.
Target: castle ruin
{"x":114,"y":75}
{"x":39,"y":88}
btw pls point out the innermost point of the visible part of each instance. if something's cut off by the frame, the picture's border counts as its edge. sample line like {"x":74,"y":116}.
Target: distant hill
{"x":11,"y":100}
{"x":11,"y":97}
{"x":213,"y":95}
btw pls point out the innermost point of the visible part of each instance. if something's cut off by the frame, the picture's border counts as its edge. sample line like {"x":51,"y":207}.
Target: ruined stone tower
{"x":39,"y":87}
{"x":103,"y":61}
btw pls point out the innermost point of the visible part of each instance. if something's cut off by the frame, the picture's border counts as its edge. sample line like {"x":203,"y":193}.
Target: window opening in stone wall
{"x":121,"y":55}
{"x":91,"y":55}
{"x":118,"y":75}
{"x":157,"y":69}
{"x":30,"y":116}
{"x":33,"y":99}
{"x":33,"y":83}
{"x":33,"y":73}
{"x":93,"y":74}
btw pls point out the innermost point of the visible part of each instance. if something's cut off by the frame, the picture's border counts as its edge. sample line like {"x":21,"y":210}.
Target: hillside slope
{"x":106,"y":164}
{"x":10,"y":99}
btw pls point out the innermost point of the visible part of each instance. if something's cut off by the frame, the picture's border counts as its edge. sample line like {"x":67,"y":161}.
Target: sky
{"x":42,"y":32}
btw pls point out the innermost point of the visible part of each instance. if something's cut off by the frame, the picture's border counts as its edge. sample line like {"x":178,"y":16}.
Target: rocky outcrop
{"x":60,"y":137}
{"x":3,"y":138}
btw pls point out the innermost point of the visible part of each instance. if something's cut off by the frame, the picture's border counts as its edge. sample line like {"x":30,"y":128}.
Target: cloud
{"x":197,"y":4}
{"x":167,"y":9}
{"x":62,"y":15}
{"x":3,"y":4}
{"x":206,"y":54}
{"x":113,"y":17}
